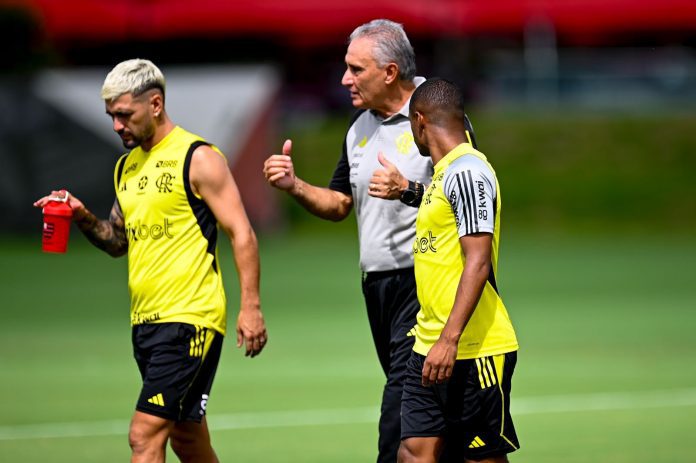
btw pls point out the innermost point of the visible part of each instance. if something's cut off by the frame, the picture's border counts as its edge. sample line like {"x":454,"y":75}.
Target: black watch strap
{"x":413,"y":194}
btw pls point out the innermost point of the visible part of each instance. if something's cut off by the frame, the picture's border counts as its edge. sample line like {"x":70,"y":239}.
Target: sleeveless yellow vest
{"x":173,"y":272}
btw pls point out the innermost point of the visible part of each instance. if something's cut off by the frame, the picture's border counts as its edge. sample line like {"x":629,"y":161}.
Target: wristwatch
{"x":413,"y":194}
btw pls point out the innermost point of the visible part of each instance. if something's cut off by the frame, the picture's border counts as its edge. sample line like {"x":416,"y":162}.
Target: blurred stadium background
{"x":586,"y":108}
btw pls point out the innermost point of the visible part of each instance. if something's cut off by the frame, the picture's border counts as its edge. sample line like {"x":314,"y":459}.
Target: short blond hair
{"x":135,"y":76}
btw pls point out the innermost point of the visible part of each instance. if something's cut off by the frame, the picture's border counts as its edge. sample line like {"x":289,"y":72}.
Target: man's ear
{"x":391,"y":71}
{"x":420,"y":122}
{"x":420,"y":117}
{"x":157,"y":103}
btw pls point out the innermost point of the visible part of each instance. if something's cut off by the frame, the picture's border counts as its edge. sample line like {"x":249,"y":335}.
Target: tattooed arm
{"x":108,"y":235}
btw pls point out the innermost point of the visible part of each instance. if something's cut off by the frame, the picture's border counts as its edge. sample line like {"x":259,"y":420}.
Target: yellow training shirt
{"x":463,"y":198}
{"x":173,"y":272}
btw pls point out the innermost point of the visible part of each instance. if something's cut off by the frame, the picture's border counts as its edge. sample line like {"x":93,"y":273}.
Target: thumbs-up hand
{"x":387,"y":182}
{"x":279,"y":170}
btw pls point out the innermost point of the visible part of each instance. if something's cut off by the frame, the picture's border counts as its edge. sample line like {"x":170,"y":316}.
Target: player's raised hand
{"x":386,"y":182}
{"x":279,"y":169}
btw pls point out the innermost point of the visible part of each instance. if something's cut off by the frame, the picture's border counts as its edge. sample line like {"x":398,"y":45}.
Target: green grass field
{"x":603,"y":302}
{"x":567,"y":169}
{"x":606,"y":371}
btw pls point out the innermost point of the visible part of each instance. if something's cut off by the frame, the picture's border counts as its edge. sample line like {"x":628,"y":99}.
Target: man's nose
{"x":347,"y":79}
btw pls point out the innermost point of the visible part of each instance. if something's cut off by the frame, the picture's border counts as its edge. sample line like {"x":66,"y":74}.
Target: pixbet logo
{"x":142,"y":231}
{"x":424,"y":244}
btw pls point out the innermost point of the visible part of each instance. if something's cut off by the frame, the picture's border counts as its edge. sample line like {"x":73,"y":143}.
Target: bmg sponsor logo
{"x":138,"y":231}
{"x":161,"y":164}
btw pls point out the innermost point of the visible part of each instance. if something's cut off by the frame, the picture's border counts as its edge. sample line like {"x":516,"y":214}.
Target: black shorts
{"x":177,"y":362}
{"x":471,"y":411}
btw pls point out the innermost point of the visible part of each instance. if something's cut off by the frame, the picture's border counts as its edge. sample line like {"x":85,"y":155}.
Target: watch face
{"x":408,"y":196}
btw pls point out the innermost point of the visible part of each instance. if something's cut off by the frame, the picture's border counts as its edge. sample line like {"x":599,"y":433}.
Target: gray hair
{"x":391,"y":45}
{"x":135,"y":76}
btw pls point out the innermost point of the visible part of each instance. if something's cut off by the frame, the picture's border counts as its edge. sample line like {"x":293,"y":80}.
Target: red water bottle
{"x":57,"y":215}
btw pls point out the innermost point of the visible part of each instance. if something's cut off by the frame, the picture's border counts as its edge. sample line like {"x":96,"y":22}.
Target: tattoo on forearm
{"x":107,"y":235}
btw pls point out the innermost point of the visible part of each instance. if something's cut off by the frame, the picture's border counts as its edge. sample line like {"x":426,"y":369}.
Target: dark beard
{"x":422,"y":149}
{"x":130,"y":144}
{"x":136,"y":141}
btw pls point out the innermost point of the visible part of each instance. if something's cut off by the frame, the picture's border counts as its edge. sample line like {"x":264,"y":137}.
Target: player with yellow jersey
{"x":173,"y":190}
{"x":173,"y":271}
{"x":457,"y":391}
